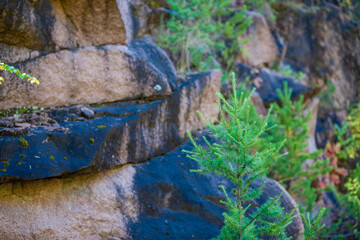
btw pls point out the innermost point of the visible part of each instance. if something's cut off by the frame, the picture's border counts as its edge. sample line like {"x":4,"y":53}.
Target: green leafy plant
{"x":234,"y":156}
{"x":350,"y":146}
{"x":200,"y":34}
{"x":24,"y":143}
{"x":351,"y":7}
{"x":262,"y":6}
{"x":287,"y":71}
{"x":350,"y":200}
{"x":5,"y":67}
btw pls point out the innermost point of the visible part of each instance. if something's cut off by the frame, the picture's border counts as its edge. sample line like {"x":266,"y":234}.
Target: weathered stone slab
{"x":261,"y":49}
{"x":324,"y":44}
{"x":47,"y":25}
{"x":267,"y":82}
{"x":155,"y":200}
{"x":92,"y":75}
{"x":116,"y":136}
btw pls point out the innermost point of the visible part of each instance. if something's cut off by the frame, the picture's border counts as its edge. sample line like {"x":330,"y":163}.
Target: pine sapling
{"x":289,"y":121}
{"x":234,"y":156}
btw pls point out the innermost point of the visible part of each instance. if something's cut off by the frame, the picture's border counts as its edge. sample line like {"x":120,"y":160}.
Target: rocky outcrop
{"x":114,"y":134}
{"x":30,"y":27}
{"x":158,"y":199}
{"x":324,"y":43}
{"x":267,"y":82}
{"x":92,"y":75}
{"x":261,"y":49}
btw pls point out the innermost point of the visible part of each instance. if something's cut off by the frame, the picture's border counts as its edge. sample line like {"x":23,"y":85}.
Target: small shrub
{"x":24,"y":143}
{"x":202,"y":33}
{"x":234,"y":157}
{"x":287,"y":71}
{"x":289,"y":121}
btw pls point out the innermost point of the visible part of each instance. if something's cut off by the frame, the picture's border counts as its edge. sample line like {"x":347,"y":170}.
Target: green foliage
{"x":313,"y":226}
{"x":18,"y":111}
{"x":262,"y":6}
{"x":352,"y":197}
{"x":349,"y":146}
{"x":325,"y":95}
{"x":352,"y":8}
{"x":234,"y":156}
{"x":92,"y":141}
{"x":5,"y":67}
{"x":287,"y":71}
{"x":201,"y":33}
{"x":289,"y":121}
{"x":24,"y":143}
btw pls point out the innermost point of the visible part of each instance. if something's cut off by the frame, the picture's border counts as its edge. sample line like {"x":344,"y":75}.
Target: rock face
{"x":92,"y":75}
{"x":119,"y":134}
{"x":267,"y":82}
{"x":321,"y":42}
{"x":261,"y":50}
{"x":159,"y":199}
{"x":46,"y":25}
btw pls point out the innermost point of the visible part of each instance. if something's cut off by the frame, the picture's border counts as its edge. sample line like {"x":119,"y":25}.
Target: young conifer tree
{"x":289,"y":122}
{"x":233,"y":156}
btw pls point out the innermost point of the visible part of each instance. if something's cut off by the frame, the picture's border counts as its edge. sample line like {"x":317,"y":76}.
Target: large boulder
{"x":324,"y":43}
{"x":267,"y":82}
{"x":44,"y":25}
{"x":92,"y":75}
{"x":158,"y":199}
{"x":261,"y":49}
{"x":112,"y":135}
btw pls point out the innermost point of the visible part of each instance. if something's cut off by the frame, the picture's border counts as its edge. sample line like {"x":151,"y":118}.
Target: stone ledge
{"x":121,"y":135}
{"x":91,"y":75}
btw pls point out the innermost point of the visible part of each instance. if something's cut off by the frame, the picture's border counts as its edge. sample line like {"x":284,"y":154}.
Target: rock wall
{"x":261,"y":49}
{"x":50,"y":25}
{"x":92,"y":74}
{"x":158,"y":199}
{"x":107,"y":171}
{"x":116,"y":134}
{"x":49,"y":39}
{"x":324,"y":43}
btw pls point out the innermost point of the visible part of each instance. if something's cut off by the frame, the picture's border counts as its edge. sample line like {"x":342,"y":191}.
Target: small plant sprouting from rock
{"x":91,"y":140}
{"x":24,"y":143}
{"x":233,"y":156}
{"x":51,"y":158}
{"x":101,"y":126}
{"x":5,"y":67}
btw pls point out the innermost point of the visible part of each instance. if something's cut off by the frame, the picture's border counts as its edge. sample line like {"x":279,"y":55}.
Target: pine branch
{"x":262,"y":211}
